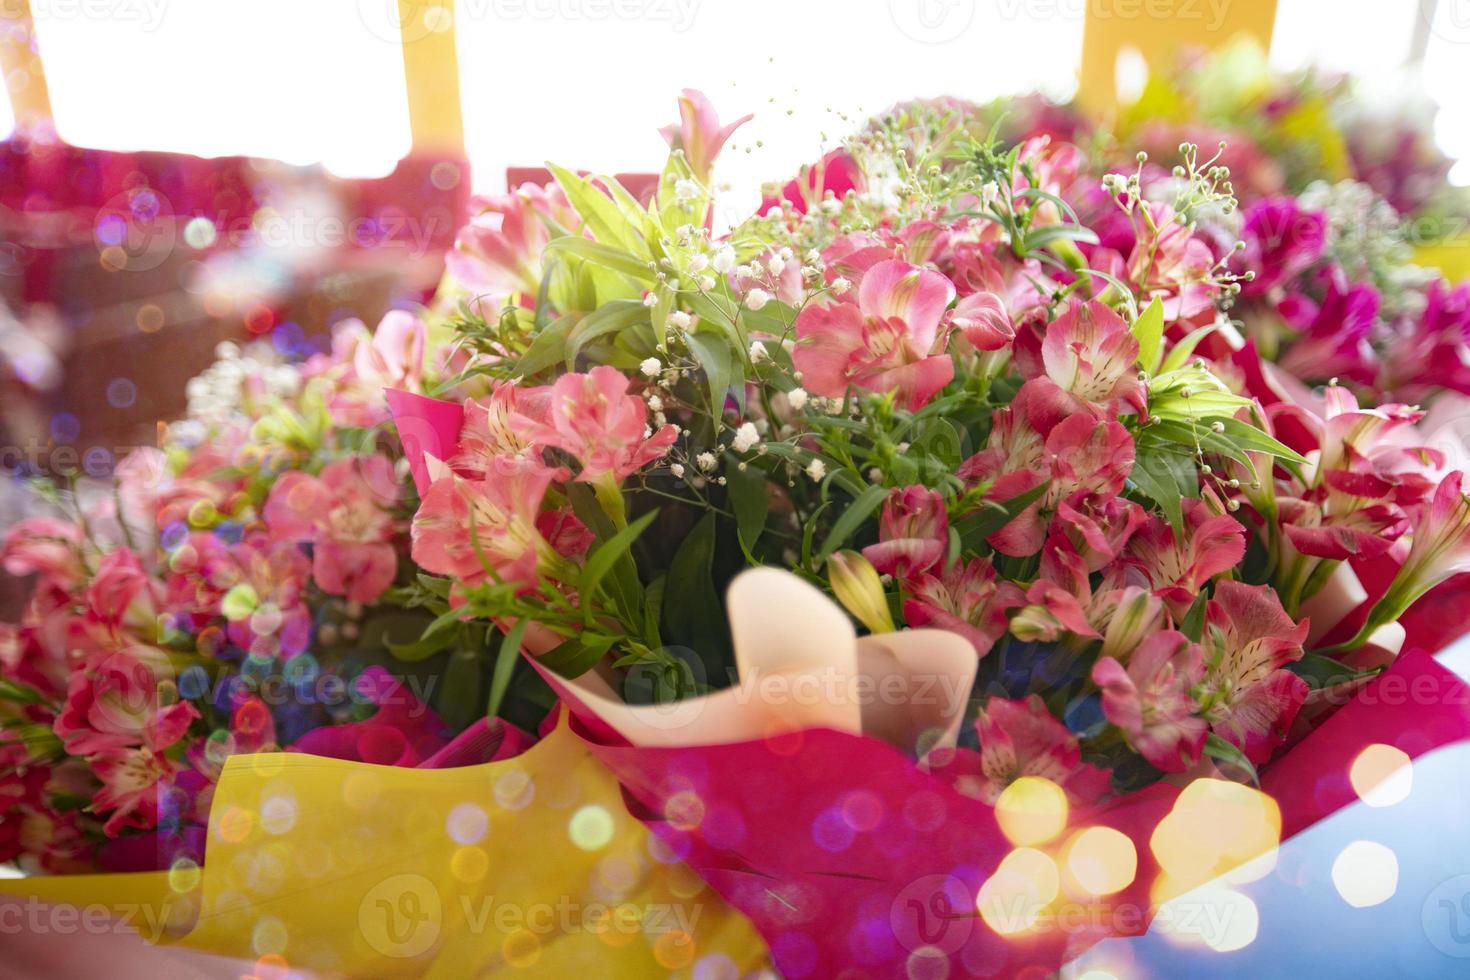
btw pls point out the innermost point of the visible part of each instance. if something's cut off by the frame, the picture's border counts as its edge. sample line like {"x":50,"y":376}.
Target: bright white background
{"x":320,"y":80}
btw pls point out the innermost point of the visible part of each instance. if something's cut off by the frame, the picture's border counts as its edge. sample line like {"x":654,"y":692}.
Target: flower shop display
{"x":985,"y":532}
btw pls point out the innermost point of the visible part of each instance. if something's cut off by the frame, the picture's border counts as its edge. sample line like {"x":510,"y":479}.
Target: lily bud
{"x":855,"y":584}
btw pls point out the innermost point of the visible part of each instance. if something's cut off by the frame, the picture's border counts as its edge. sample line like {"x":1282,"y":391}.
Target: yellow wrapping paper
{"x":531,"y":866}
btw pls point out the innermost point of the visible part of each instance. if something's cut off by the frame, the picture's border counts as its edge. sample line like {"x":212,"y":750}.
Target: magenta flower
{"x":1249,"y":696}
{"x":124,"y":597}
{"x":888,"y":341}
{"x":345,"y":515}
{"x":1441,"y":545}
{"x":1021,"y":738}
{"x":1150,"y":699}
{"x":913,"y":533}
{"x":699,"y":133}
{"x":266,"y":604}
{"x":966,"y":599}
{"x":1335,"y":335}
{"x":593,"y":418}
{"x":1089,"y":357}
{"x":835,"y":174}
{"x":1281,"y":242}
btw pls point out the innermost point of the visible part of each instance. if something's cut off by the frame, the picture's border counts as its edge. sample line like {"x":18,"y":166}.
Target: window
{"x":587,"y":83}
{"x":297,"y":81}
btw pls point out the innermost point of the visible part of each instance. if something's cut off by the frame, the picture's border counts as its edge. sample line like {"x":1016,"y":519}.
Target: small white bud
{"x":758,"y":352}
{"x":816,"y":470}
{"x":686,"y":190}
{"x":775,"y":265}
{"x":678,"y":470}
{"x":651,"y":300}
{"x":840,"y":286}
{"x":698,"y":264}
{"x":706,"y":461}
{"x":724,"y":260}
{"x":756,"y":299}
{"x":681,"y":319}
{"x":651,"y":367}
{"x":796,"y":398}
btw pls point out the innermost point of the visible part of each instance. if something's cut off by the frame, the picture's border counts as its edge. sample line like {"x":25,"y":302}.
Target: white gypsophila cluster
{"x":1366,"y":238}
{"x":217,"y":395}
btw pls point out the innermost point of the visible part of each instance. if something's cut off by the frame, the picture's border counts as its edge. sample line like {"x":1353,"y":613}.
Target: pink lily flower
{"x":1021,"y":738}
{"x":1250,"y":698}
{"x":345,"y":515}
{"x":699,"y":133}
{"x":499,"y":251}
{"x":113,"y":704}
{"x":913,"y":533}
{"x":889,"y":340}
{"x":1085,"y":460}
{"x":394,"y":358}
{"x":966,"y":599}
{"x":1150,"y":699}
{"x":1089,"y":356}
{"x":499,"y":513}
{"x":44,"y":546}
{"x":132,"y":781}
{"x":1178,"y":568}
{"x":593,"y":418}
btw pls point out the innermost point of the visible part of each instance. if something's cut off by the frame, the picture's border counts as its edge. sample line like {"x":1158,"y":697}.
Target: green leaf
{"x":602,"y":559}
{"x":1149,"y":331}
{"x":1222,"y":751}
{"x":578,"y":655}
{"x":425,"y":647}
{"x":713,"y":353}
{"x":609,"y":318}
{"x":1248,"y":437}
{"x":547,"y":348}
{"x":851,"y":519}
{"x":1154,"y":478}
{"x":749,"y":500}
{"x":1319,"y":671}
{"x":460,"y":699}
{"x":616,"y":259}
{"x":505,"y":665}
{"x":600,"y":213}
{"x":692,"y":612}
{"x":1180,"y":352}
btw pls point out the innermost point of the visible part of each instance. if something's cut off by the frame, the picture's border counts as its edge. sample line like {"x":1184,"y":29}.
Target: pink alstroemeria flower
{"x":114,"y":704}
{"x":394,"y":358}
{"x":271,"y":617}
{"x":889,"y":340}
{"x":984,"y":322}
{"x":1089,"y":357}
{"x":1021,"y":738}
{"x":1249,"y":697}
{"x":498,"y":253}
{"x":123,"y":597}
{"x":344,"y":515}
{"x":1441,"y":545}
{"x":44,"y":546}
{"x":1086,"y":461}
{"x":913,"y":533}
{"x":593,"y":418}
{"x":500,"y":513}
{"x":489,"y":430}
{"x":132,"y":780}
{"x":1150,"y":699}
{"x":966,"y":599}
{"x":1177,"y":568}
{"x":699,"y":133}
